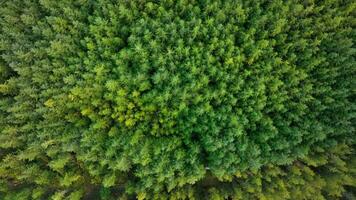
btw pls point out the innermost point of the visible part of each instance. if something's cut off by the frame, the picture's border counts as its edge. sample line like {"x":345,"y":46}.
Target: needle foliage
{"x":187,"y":99}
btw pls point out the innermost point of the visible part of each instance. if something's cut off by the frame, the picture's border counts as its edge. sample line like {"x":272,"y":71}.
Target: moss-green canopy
{"x":176,"y":99}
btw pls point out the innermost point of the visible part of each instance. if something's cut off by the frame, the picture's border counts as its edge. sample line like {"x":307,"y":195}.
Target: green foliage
{"x":104,"y":99}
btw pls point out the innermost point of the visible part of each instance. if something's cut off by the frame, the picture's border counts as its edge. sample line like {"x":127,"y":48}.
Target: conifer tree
{"x":199,"y":99}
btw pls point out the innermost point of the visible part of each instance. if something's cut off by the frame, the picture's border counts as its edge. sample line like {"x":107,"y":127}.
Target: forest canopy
{"x":187,"y":99}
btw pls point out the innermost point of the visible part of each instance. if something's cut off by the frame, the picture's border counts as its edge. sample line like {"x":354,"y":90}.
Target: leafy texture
{"x":104,"y":99}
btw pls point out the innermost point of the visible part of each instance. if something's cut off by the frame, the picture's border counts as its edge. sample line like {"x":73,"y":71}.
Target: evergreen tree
{"x":199,"y":99}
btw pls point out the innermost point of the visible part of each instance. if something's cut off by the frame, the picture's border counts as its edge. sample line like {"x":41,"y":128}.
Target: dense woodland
{"x":186,"y":99}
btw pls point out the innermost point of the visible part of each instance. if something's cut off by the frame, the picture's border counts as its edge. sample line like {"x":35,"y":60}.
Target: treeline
{"x":187,"y":99}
